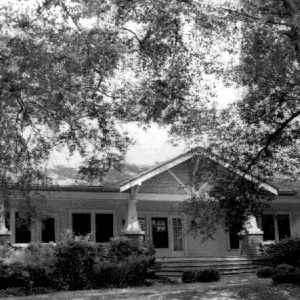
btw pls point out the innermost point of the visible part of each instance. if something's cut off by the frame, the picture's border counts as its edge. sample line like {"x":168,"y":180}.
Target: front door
{"x":160,"y":236}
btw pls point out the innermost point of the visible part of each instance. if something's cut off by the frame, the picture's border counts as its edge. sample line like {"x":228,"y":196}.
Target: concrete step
{"x":219,"y":268}
{"x":207,"y":258}
{"x":205,"y":264}
{"x":173,"y":267}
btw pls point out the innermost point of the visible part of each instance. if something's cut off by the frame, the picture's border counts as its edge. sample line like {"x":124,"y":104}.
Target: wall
{"x":62,"y":203}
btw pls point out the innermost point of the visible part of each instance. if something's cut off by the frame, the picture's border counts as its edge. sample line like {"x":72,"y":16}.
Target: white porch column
{"x":252,"y":237}
{"x":132,"y":228}
{"x":4,"y":233}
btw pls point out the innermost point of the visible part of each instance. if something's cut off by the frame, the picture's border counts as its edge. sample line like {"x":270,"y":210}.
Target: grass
{"x":239,"y":288}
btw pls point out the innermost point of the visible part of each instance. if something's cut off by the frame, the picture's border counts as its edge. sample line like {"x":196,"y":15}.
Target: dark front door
{"x":160,"y":232}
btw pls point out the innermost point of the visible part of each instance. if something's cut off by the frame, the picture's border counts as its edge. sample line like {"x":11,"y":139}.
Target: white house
{"x":150,"y":206}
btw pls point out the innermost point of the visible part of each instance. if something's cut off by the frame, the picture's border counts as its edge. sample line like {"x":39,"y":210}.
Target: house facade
{"x":150,"y":206}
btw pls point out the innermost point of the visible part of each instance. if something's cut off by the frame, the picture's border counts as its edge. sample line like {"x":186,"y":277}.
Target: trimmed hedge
{"x":283,"y":273}
{"x":284,"y":252}
{"x":202,"y":275}
{"x":188,"y":276}
{"x":264,"y":272}
{"x":207,"y":275}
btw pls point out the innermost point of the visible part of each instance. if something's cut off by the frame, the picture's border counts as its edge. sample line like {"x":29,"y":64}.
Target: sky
{"x":152,"y":145}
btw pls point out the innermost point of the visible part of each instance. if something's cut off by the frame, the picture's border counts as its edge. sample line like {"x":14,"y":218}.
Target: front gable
{"x":176,"y":176}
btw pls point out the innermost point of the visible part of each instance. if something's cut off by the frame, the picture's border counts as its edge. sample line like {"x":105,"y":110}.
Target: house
{"x":150,"y":206}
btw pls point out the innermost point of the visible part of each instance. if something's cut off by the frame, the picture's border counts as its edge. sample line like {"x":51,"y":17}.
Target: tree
{"x":72,"y":71}
{"x":259,"y":134}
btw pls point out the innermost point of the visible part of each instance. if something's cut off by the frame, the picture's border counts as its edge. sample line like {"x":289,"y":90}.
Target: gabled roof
{"x":139,"y":179}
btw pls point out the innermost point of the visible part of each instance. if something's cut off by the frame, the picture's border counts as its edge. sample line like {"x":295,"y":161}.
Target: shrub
{"x":75,"y":260}
{"x":188,"y":276}
{"x":207,"y":275}
{"x":13,"y":275}
{"x":264,"y":272}
{"x":123,"y":274}
{"x":283,"y":273}
{"x":104,"y":274}
{"x":123,"y":249}
{"x":284,"y":252}
{"x":132,"y":273}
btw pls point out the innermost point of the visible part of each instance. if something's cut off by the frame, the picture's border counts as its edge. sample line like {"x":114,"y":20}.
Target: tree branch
{"x":292,"y":5}
{"x":243,"y":13}
{"x":132,"y":32}
{"x":270,"y":139}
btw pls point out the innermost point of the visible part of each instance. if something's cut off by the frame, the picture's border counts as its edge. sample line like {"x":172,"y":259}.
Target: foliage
{"x":283,"y":274}
{"x":207,"y":275}
{"x":74,"y":261}
{"x":284,"y":252}
{"x":202,"y":275}
{"x":123,"y":249}
{"x":264,"y":272}
{"x":133,"y":272}
{"x":71,"y":72}
{"x":205,"y":214}
{"x":188,"y":276}
{"x":13,"y":275}
{"x":104,"y":274}
{"x":229,"y":200}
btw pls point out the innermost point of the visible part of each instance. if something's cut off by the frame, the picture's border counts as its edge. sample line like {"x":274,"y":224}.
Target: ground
{"x":228,"y":288}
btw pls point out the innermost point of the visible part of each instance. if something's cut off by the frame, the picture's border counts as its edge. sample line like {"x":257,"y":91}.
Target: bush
{"x":264,"y":272}
{"x":13,"y":275}
{"x":284,"y":252}
{"x":77,"y":263}
{"x":283,"y":273}
{"x":104,"y":274}
{"x":207,"y":275}
{"x":124,"y":274}
{"x":122,"y":249}
{"x":188,"y":276}
{"x":75,"y":260}
{"x":132,"y":273}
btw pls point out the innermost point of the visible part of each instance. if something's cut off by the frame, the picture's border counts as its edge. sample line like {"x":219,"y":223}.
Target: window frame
{"x":275,"y":214}
{"x":56,"y":227}
{"x":93,"y":220}
{"x":173,"y":233}
{"x":13,"y":230}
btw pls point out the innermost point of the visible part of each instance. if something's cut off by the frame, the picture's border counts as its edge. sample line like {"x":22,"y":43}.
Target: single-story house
{"x":150,"y":205}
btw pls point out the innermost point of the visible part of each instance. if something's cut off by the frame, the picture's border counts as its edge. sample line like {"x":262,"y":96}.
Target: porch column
{"x":132,"y":227}
{"x":4,"y":233}
{"x":252,"y":237}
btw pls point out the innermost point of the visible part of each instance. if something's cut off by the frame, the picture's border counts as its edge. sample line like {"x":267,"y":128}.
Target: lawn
{"x":226,"y":289}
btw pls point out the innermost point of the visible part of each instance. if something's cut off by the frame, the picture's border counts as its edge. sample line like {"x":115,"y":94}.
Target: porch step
{"x":173,"y":267}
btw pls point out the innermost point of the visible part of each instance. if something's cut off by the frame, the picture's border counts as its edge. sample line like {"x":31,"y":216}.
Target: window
{"x":276,"y":227}
{"x":22,"y":229}
{"x":104,"y":227}
{"x":48,"y":230}
{"x":234,"y":239}
{"x":81,"y":223}
{"x":177,"y":234}
{"x":268,"y":227}
{"x":283,"y":222}
{"x":160,"y":232}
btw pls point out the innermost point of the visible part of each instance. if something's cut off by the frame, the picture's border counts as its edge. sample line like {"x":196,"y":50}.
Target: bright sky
{"x":152,"y":145}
